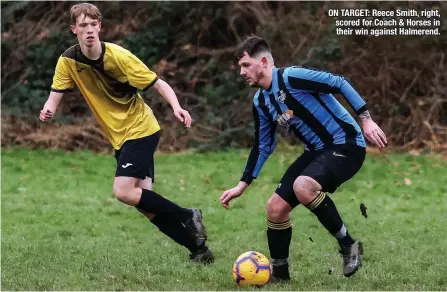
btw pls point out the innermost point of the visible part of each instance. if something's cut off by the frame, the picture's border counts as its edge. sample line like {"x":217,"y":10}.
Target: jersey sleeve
{"x":62,"y":80}
{"x":321,"y":81}
{"x":264,"y":144}
{"x":138,"y":74}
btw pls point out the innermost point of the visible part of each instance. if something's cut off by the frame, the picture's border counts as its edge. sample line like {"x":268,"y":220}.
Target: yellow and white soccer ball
{"x":252,"y":268}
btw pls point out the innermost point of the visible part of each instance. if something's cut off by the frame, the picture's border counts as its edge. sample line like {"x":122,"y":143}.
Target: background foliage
{"x":191,"y":45}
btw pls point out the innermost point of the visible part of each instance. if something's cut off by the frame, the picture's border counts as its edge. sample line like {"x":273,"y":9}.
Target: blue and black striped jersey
{"x":301,"y":100}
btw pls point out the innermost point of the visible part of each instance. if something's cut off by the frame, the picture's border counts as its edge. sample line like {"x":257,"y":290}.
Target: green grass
{"x":63,"y":230}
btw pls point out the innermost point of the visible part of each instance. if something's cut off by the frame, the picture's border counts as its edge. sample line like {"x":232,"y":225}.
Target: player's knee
{"x":299,"y":192}
{"x":277,"y":209}
{"x":305,"y":188}
{"x":122,"y":192}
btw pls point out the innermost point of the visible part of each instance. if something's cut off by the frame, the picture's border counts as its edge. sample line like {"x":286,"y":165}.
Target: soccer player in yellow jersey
{"x":109,"y":78}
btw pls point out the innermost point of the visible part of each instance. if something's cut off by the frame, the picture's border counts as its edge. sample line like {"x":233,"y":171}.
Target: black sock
{"x":279,"y":236}
{"x":324,"y":208}
{"x":343,"y":237}
{"x":176,"y":231}
{"x":152,"y":202}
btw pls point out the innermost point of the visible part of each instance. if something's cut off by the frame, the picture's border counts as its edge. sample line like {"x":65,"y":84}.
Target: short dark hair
{"x":252,"y":45}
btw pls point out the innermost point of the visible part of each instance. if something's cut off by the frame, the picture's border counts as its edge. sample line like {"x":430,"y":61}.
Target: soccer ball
{"x":252,"y":268}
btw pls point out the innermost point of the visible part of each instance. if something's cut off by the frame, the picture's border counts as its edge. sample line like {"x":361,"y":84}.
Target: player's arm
{"x":165,"y":90}
{"x":320,"y":81}
{"x":62,"y":82}
{"x":264,"y":144}
{"x":50,"y":107}
{"x":141,"y":77}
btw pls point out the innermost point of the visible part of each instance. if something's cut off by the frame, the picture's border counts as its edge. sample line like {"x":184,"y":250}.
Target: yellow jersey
{"x":110,"y":87}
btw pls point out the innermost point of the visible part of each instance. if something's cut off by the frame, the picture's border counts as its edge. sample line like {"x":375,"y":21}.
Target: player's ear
{"x":73,"y":29}
{"x":100,"y":25}
{"x":264,"y":62}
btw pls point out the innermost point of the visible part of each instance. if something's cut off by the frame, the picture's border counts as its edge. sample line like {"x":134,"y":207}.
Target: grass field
{"x":63,"y":230}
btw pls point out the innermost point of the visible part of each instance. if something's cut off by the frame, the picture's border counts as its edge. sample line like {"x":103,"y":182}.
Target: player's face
{"x":87,"y":30}
{"x":251,"y":70}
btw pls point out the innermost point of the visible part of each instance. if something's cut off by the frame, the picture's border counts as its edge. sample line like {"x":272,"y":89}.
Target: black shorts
{"x":136,"y":157}
{"x":330,"y":167}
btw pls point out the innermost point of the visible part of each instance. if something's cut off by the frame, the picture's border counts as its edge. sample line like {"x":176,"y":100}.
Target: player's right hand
{"x":45,"y":115}
{"x":229,"y":195}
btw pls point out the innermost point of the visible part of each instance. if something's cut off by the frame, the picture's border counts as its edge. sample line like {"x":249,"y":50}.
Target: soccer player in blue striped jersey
{"x":301,"y":99}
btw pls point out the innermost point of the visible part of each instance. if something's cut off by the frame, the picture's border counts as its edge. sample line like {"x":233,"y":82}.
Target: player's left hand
{"x":183,"y":116}
{"x":229,"y":195}
{"x":374,"y":134}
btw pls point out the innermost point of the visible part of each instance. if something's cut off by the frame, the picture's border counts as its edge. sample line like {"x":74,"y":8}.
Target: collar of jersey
{"x":274,"y":79}
{"x":85,"y":60}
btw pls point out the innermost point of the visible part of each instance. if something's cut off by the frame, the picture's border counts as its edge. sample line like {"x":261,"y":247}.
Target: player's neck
{"x":93,"y":52}
{"x":266,"y":81}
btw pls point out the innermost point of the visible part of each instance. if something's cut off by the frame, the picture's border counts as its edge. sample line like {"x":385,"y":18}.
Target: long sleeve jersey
{"x":301,"y":99}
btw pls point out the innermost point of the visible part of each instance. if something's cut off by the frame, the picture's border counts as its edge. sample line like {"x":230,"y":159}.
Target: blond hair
{"x":87,"y":9}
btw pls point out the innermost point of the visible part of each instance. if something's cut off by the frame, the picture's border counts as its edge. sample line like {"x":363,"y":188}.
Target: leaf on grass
{"x":363,"y":210}
{"x":111,"y":277}
{"x":407,"y":181}
{"x":416,"y":167}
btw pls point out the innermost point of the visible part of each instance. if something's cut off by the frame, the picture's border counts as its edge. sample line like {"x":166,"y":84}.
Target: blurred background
{"x":191,"y":45}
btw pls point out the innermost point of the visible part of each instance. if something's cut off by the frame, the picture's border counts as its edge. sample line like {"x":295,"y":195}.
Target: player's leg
{"x":127,"y":191}
{"x":309,"y":193}
{"x":177,"y":231}
{"x":135,"y":163}
{"x":279,"y":231}
{"x":146,"y":184}
{"x":325,"y":174}
{"x":279,"y":235}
